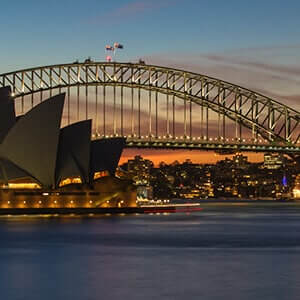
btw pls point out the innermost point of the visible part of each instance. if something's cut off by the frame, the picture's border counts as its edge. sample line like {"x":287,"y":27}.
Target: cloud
{"x":280,"y":82}
{"x":130,"y":10}
{"x":273,"y":68}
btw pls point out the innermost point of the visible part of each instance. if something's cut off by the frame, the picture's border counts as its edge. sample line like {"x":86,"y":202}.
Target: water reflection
{"x":213,"y":255}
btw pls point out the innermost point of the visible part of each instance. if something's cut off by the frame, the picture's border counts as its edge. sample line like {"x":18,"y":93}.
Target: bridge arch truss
{"x":125,"y":94}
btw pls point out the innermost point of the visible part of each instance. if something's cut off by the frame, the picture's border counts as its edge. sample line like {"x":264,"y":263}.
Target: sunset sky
{"x":255,"y":44}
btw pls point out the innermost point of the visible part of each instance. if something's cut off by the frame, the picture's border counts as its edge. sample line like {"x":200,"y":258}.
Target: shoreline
{"x":205,"y":205}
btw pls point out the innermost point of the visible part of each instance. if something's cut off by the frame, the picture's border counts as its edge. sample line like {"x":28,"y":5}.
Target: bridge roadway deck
{"x":191,"y":144}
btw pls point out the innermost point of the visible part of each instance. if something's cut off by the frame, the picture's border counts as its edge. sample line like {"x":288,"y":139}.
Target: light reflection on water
{"x":208,"y":255}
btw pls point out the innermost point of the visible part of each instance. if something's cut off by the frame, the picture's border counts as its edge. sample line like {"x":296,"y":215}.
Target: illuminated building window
{"x":71,"y":180}
{"x":22,"y":185}
{"x":100,"y":174}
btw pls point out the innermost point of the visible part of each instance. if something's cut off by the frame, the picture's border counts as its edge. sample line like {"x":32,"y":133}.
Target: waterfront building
{"x":37,"y":154}
{"x":273,"y":161}
{"x":296,"y":189}
{"x":139,"y":169}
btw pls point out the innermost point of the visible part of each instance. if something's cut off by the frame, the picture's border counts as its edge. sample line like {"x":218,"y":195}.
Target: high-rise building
{"x":273,"y":160}
{"x":140,"y":168}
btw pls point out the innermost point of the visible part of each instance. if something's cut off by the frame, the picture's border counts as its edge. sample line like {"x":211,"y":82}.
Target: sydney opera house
{"x":44,"y":165}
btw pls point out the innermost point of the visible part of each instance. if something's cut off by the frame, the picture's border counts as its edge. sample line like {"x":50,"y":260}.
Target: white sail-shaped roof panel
{"x":32,"y":143}
{"x":74,"y":151}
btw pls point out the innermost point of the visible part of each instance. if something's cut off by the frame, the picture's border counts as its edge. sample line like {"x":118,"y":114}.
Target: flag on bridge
{"x":109,"y":48}
{"x":118,"y":46}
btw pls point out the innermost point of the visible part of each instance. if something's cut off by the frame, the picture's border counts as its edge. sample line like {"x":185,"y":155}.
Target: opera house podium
{"x":45,"y":166}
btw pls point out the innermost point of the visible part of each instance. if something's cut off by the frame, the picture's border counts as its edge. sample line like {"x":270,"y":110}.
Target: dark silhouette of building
{"x":34,"y":146}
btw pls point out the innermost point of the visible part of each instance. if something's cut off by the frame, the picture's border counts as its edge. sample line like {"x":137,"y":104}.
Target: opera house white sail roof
{"x":36,"y":146}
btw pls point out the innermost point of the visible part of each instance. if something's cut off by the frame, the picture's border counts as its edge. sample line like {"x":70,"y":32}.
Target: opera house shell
{"x":34,"y":149}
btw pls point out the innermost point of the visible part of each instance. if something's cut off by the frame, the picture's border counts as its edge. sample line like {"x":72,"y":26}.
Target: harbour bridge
{"x":160,"y":107}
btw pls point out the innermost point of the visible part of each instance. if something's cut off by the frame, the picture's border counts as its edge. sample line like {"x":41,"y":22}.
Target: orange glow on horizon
{"x":169,"y":156}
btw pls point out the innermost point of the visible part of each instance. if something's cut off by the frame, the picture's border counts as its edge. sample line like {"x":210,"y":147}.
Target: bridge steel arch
{"x":275,"y":122}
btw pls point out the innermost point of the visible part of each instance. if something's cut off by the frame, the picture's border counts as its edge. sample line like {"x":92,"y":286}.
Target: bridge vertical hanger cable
{"x":150,"y":108}
{"x":86,"y":92}
{"x":139,"y":104}
{"x":96,"y":104}
{"x":68,"y":95}
{"x":219,"y":113}
{"x":236,"y":111}
{"x":156,"y":106}
{"x":32,"y":88}
{"x":104,"y":100}
{"x":190,"y":102}
{"x":51,"y":82}
{"x":14,"y":84}
{"x":41,"y":84}
{"x":253,"y":117}
{"x":184,"y":106}
{"x":167,"y":104}
{"x":114,"y":99}
{"x":132,"y":107}
{"x":256,"y":118}
{"x":78,"y":90}
{"x":223,"y":115}
{"x":207,"y":112}
{"x":240,"y":112}
{"x":287,"y":125}
{"x":271,"y":120}
{"x":202,"y":108}
{"x":122,"y":104}
{"x":173,"y":107}
{"x":59,"y":80}
{"x":22,"y":99}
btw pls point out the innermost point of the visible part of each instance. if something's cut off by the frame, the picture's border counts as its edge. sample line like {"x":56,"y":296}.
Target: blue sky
{"x":252,"y":43}
{"x":43,"y":32}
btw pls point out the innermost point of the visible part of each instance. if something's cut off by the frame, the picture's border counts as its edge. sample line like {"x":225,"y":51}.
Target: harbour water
{"x":213,"y":254}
